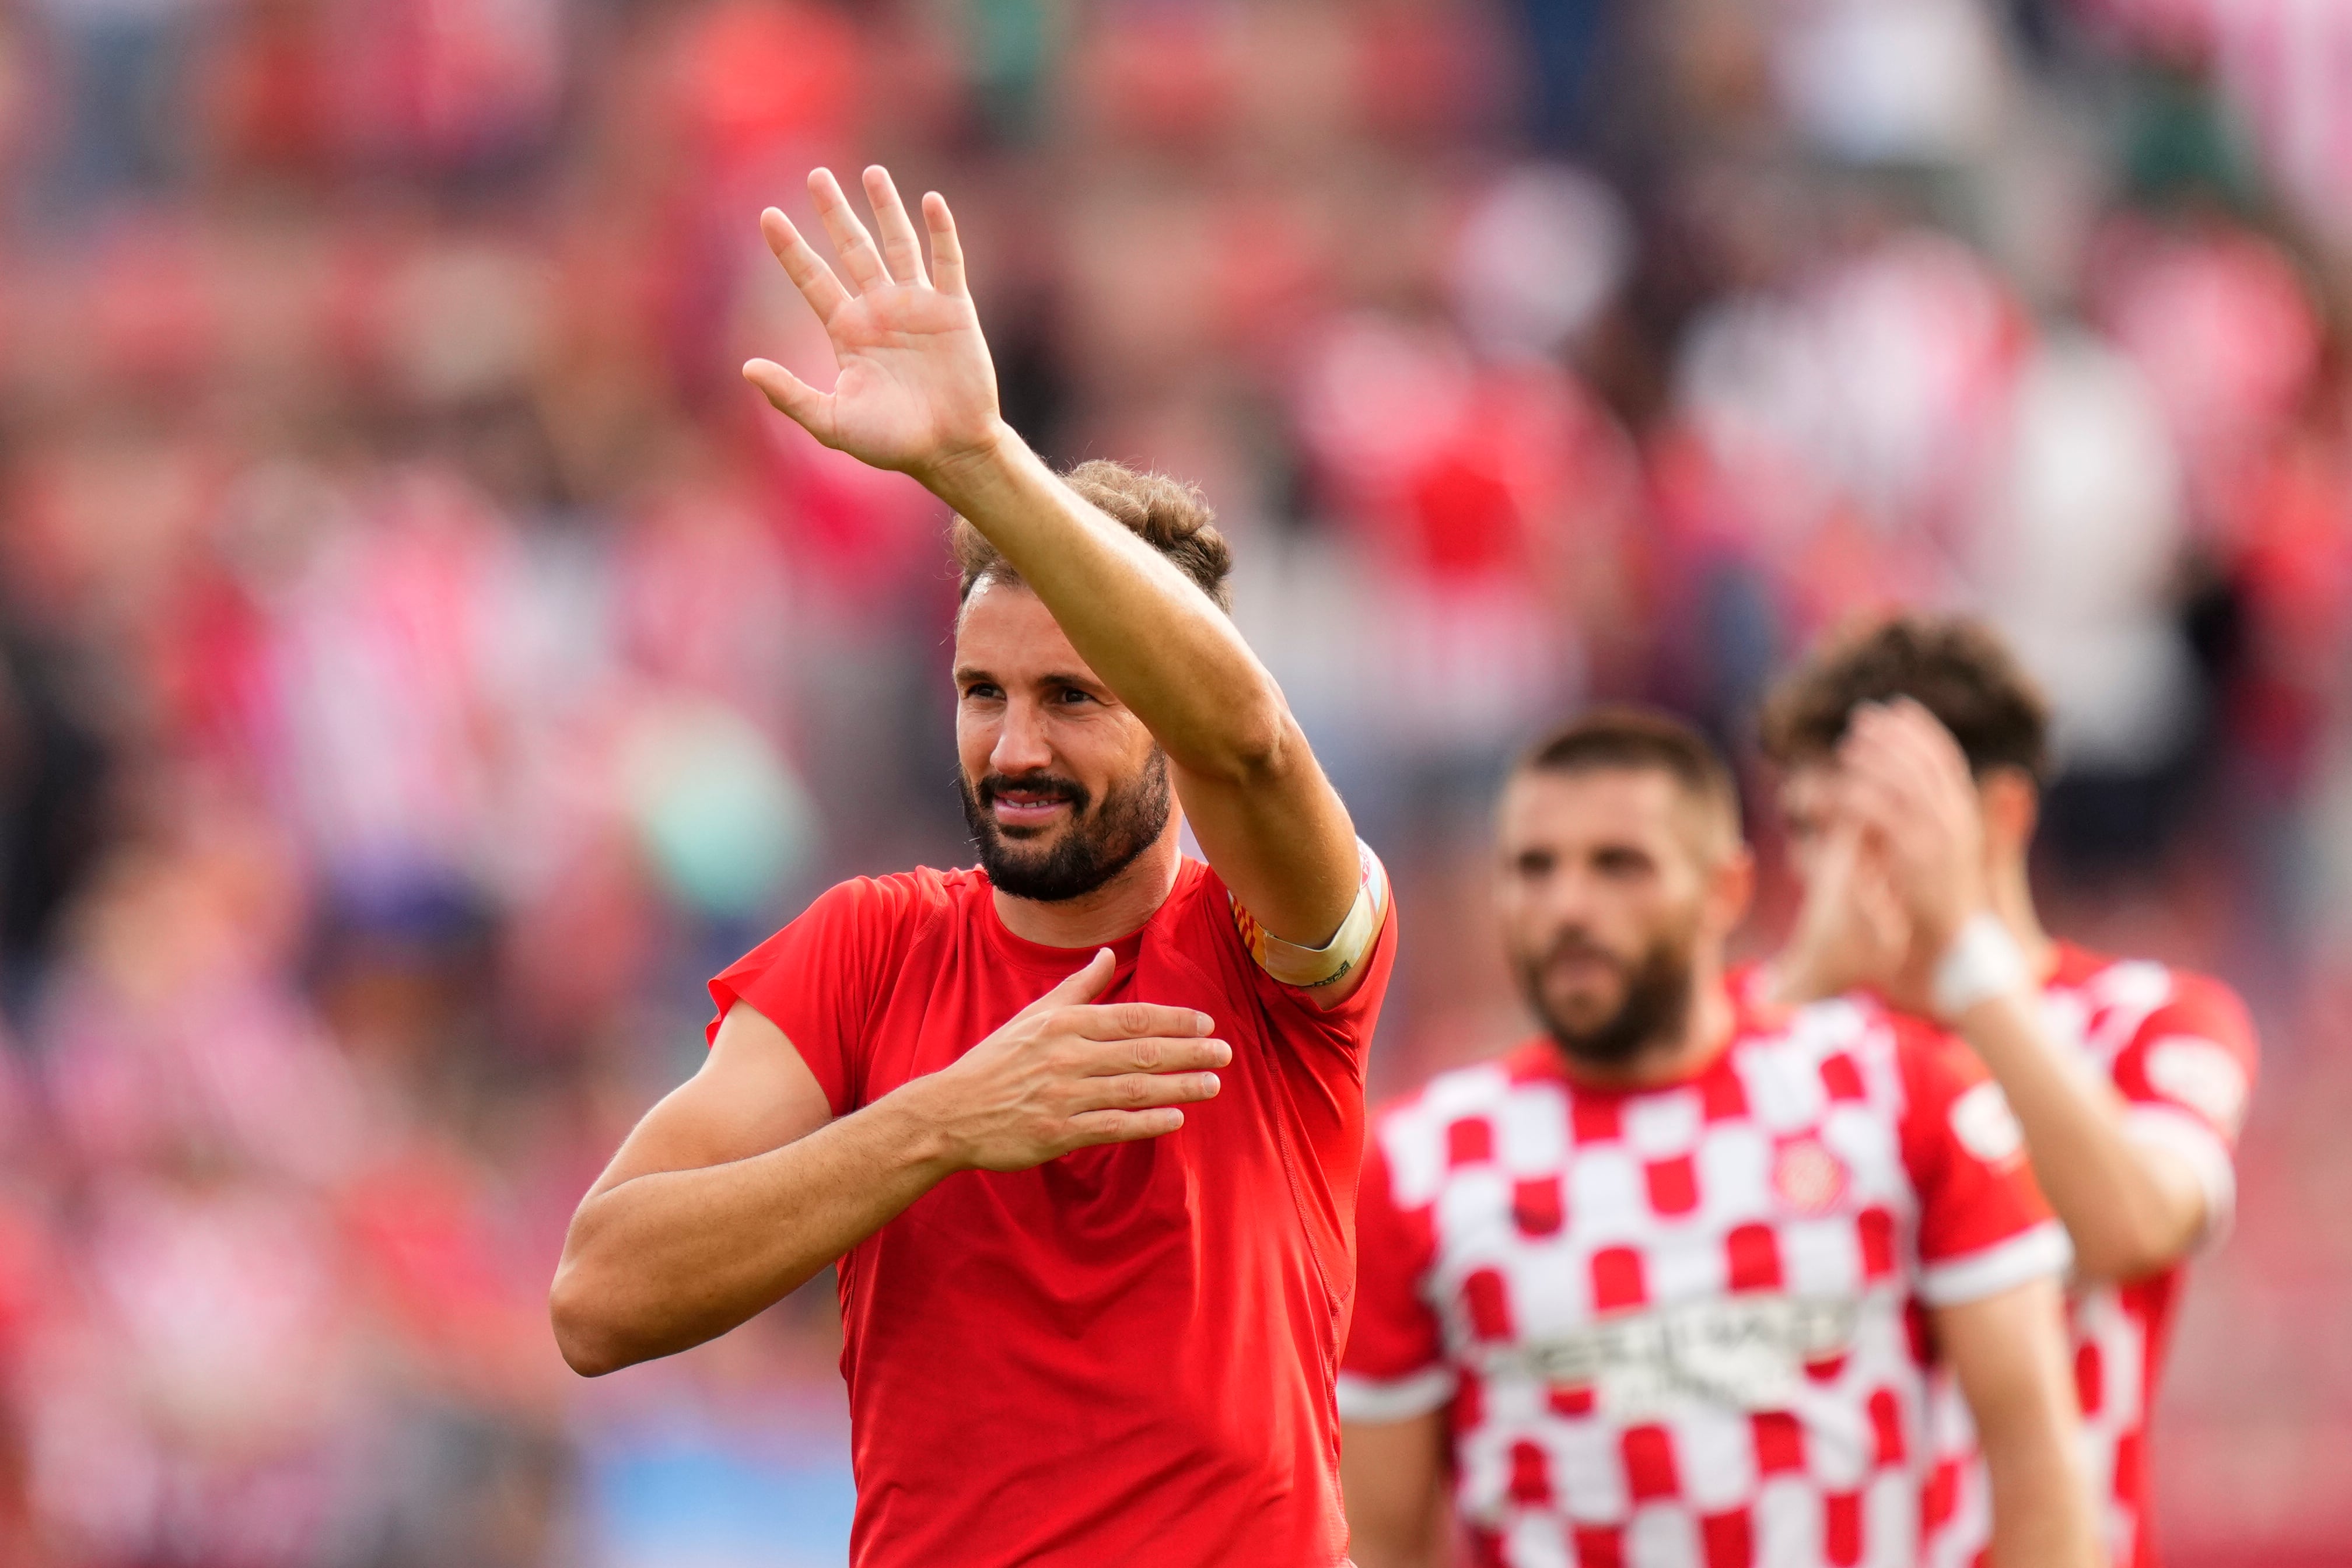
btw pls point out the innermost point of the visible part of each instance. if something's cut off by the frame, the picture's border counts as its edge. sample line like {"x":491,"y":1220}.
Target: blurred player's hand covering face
{"x":1063,"y":788}
{"x":1852,"y":930}
{"x":1605,"y":891}
{"x":1889,"y":843}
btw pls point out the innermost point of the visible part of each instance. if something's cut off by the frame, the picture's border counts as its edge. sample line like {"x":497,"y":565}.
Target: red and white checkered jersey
{"x":2179,"y":1048}
{"x":1678,"y":1326}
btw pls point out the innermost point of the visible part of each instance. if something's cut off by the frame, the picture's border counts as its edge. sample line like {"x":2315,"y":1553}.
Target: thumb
{"x":1083,"y":985}
{"x":806,"y":406}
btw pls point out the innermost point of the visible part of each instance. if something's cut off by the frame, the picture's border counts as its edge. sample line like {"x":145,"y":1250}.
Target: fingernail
{"x":1213,"y":1082}
{"x":1203,"y":1023}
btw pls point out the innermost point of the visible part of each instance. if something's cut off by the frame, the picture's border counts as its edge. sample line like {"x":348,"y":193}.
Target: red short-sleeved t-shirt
{"x":1126,"y":1355}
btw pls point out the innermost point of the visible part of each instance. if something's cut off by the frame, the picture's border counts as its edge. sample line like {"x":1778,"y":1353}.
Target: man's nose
{"x":1021,"y":744}
{"x":1569,"y":897}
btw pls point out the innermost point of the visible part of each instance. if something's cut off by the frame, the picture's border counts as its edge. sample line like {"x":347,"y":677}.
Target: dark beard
{"x":1100,"y":841}
{"x":1658,"y":991}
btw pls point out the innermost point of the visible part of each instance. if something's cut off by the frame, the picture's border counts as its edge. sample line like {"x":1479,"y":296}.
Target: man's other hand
{"x":1067,"y":1072}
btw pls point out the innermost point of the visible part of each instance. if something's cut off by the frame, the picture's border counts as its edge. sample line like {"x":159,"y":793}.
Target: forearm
{"x":2040,"y":1500}
{"x":2009,"y":1353}
{"x":667,"y":1260}
{"x":1145,"y":628}
{"x":1391,"y":1476}
{"x":1388,"y":1544}
{"x":2124,"y":1211}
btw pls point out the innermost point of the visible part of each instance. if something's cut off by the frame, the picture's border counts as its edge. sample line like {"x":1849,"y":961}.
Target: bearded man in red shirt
{"x":1081,"y":1125}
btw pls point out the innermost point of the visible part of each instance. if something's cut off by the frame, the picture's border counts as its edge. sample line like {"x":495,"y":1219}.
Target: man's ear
{"x":1731,"y":888}
{"x":2012,"y":809}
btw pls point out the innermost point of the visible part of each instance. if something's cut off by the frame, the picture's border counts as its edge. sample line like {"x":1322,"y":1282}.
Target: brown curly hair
{"x":1170,"y":515}
{"x":1956,"y":669}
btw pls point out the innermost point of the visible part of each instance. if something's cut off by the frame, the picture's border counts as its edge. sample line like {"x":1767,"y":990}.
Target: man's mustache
{"x":1048,"y":786}
{"x":1576,"y":944}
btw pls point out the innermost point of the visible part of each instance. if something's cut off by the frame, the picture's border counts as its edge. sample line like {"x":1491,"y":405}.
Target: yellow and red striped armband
{"x":1308,"y":967}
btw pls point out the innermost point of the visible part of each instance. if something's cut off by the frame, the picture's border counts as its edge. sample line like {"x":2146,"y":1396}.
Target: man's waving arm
{"x":916,"y":391}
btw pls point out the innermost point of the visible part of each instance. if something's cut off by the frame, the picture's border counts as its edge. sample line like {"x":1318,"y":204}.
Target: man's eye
{"x":1071,"y":695}
{"x":982,"y":691}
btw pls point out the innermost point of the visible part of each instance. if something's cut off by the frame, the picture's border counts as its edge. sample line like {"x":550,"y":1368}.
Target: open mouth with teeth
{"x":1030,"y":805}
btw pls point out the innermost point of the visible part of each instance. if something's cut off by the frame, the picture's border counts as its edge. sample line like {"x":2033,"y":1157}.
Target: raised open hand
{"x":916,"y":390}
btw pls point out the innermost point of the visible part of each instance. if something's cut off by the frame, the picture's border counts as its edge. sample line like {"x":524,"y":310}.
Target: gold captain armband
{"x":1308,"y":967}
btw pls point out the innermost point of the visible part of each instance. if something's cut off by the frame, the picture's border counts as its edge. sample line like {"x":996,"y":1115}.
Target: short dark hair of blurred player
{"x":1093,"y":1263}
{"x":1649,"y":1288}
{"x":1912,"y":755}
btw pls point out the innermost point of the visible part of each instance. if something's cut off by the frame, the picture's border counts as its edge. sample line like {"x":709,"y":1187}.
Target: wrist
{"x":1940,"y":925}
{"x":1980,"y":960}
{"x":923,"y":1132}
{"x":968,"y":467}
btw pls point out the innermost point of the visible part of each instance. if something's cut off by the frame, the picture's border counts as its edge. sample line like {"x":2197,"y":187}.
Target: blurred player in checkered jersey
{"x":1911,"y":757}
{"x":1094,"y":1263}
{"x":1657,"y":1287}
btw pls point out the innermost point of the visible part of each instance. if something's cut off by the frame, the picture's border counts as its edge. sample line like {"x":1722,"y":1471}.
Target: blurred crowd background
{"x":423,"y":662}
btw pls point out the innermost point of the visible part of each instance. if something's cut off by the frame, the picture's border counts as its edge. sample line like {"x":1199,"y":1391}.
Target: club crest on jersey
{"x":1806,"y":1176}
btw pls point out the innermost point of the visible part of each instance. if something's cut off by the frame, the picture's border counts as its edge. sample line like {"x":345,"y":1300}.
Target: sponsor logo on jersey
{"x":1746,"y":1352}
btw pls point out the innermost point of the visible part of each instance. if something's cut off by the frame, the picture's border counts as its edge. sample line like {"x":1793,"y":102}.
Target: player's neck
{"x":1675,"y":1058}
{"x":2012,"y":900}
{"x":1112,"y":911}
